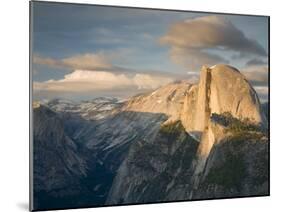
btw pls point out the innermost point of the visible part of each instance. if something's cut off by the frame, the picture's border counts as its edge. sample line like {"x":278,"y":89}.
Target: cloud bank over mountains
{"x":87,"y":81}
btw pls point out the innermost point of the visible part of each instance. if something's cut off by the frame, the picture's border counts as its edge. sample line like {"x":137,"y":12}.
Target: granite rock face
{"x":166,"y":100}
{"x":221,"y":90}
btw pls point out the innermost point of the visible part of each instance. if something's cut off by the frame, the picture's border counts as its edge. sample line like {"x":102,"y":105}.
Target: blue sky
{"x":135,"y":50}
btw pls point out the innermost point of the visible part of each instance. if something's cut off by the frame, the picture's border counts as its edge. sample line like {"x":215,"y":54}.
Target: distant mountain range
{"x":180,"y":142}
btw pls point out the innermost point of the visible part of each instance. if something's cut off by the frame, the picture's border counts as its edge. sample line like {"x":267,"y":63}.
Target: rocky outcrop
{"x":147,"y":175}
{"x":221,"y":89}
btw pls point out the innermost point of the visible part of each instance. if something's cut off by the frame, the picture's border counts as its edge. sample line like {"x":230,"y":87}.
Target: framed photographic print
{"x":137,"y":105}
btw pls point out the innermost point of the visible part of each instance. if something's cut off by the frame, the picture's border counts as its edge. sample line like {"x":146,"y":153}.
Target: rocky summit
{"x":180,"y":142}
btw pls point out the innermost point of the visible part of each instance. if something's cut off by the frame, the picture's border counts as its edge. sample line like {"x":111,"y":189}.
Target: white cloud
{"x":146,"y":81}
{"x":87,"y":81}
